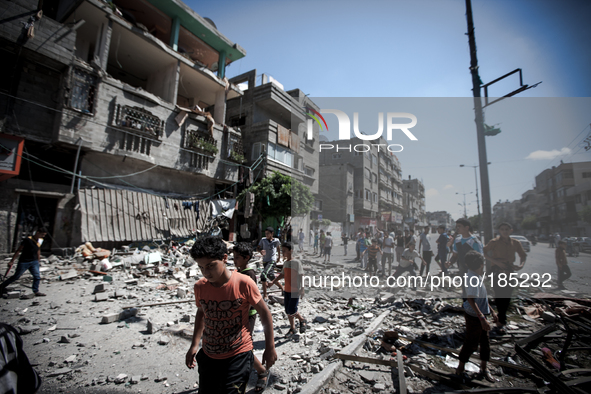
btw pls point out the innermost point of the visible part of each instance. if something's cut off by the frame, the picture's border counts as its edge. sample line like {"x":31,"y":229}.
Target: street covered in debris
{"x":124,"y":323}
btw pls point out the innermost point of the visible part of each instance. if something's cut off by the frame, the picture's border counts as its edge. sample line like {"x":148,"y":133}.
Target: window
{"x":357,"y":153}
{"x":587,"y":175}
{"x":374,"y":177}
{"x":256,"y":150}
{"x":367,"y":195}
{"x":358,"y":193}
{"x":375,"y":197}
{"x":281,"y":154}
{"x":83,"y":91}
{"x":309,"y":171}
{"x":336,"y":156}
{"x":374,"y":160}
{"x":368,"y":174}
{"x":237,"y":121}
{"x":578,"y":199}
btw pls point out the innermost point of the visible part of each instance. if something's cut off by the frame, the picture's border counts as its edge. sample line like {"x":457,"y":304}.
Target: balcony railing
{"x":198,"y":141}
{"x":139,"y":120}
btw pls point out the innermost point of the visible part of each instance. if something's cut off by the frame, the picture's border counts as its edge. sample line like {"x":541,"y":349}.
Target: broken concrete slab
{"x":101,"y":297}
{"x":113,"y":317}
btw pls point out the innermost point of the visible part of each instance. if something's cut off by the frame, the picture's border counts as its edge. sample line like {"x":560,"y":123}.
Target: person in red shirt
{"x":223,"y":300}
{"x":294,"y":288}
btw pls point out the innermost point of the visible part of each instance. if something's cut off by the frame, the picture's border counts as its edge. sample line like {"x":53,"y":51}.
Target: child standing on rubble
{"x":476,"y":307}
{"x":242,"y":254}
{"x":294,"y":288}
{"x":223,"y":300}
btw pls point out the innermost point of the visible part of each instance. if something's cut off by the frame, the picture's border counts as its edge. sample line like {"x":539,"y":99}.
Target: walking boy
{"x":463,"y":244}
{"x":270,"y":249}
{"x":372,"y":256}
{"x":388,"y":254}
{"x":242,"y":254}
{"x":294,"y":288}
{"x":345,"y":240}
{"x":327,"y":246}
{"x":301,"y":237}
{"x":475,"y":308}
{"x":427,"y":252}
{"x":223,"y":300}
{"x":441,"y":258}
{"x":562,"y":264}
{"x":30,"y":254}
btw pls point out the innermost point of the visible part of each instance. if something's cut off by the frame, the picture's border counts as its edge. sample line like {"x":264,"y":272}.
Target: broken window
{"x":235,"y":148}
{"x":83,"y":90}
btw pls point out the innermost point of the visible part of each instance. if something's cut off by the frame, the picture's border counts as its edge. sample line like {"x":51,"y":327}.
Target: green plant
{"x":239,"y":157}
{"x":200,"y":143}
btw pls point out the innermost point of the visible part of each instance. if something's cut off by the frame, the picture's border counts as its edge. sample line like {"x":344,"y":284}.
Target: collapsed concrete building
{"x":121,"y":108}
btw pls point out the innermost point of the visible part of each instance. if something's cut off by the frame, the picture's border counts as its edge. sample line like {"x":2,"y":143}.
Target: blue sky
{"x":418,"y":48}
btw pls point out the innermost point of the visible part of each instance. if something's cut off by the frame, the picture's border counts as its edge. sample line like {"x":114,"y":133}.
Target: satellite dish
{"x":210,"y":22}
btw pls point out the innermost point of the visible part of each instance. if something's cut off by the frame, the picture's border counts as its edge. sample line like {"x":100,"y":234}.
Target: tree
{"x":475,"y":222}
{"x":278,"y":196}
{"x":585,"y":214}
{"x":529,"y":222}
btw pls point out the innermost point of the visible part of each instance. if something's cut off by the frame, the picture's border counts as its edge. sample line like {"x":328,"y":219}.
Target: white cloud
{"x":548,"y":154}
{"x":432,"y":193}
{"x":446,"y":187}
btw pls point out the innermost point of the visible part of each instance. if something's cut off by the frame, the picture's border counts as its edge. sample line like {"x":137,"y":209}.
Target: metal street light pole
{"x":465,"y":214}
{"x":482,"y":159}
{"x":477,"y":200}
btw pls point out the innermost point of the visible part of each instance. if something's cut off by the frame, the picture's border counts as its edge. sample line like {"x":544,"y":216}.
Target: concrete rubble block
{"x":113,"y":317}
{"x":64,"y":339}
{"x":320,"y":319}
{"x":27,"y":295}
{"x":130,"y":282}
{"x":186,"y":318}
{"x":353,"y":320}
{"x":119,"y":293}
{"x":378,"y":387}
{"x":53,"y":259}
{"x":164,"y":340}
{"x":152,"y":327}
{"x":121,"y":378}
{"x":13,"y":294}
{"x":181,"y":292}
{"x":100,"y":288}
{"x":69,"y":275}
{"x":192,"y":273}
{"x":58,"y":372}
{"x":101,"y":297}
{"x":161,"y":378}
{"x":135,"y":379}
{"x":23,"y":330}
{"x":70,"y":359}
{"x":367,"y":377}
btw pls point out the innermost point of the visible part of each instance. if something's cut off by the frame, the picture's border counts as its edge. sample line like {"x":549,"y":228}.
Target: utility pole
{"x":482,"y":159}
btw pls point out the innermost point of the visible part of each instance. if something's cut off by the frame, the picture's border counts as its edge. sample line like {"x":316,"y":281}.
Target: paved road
{"x":540,"y":260}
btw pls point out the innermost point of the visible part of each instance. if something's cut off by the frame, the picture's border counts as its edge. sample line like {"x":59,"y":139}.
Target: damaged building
{"x":118,"y":109}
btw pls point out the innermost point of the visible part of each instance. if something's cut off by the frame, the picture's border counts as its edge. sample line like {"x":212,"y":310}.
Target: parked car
{"x":584,"y":243}
{"x":524,"y":242}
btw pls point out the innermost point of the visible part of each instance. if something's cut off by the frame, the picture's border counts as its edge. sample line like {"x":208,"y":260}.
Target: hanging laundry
{"x":187,"y":205}
{"x":204,"y":214}
{"x":248,"y":204}
{"x":224,"y":207}
{"x":244,"y":232}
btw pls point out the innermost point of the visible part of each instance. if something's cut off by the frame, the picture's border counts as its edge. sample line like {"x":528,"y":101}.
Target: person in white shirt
{"x":427,"y":251}
{"x":388,"y":254}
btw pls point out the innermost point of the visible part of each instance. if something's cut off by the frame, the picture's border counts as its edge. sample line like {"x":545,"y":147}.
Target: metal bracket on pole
{"x":522,"y":87}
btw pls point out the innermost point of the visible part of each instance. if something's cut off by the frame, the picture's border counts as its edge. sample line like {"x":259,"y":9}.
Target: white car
{"x":524,"y":242}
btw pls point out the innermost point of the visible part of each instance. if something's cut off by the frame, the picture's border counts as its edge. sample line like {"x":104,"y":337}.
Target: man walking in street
{"x":399,"y":245}
{"x":270,"y":249}
{"x":30,"y":254}
{"x":427,"y":252}
{"x":500,"y":253}
{"x":301,"y":238}
{"x":387,"y":254}
{"x":562,"y":264}
{"x":441,"y":258}
{"x":345,"y":240}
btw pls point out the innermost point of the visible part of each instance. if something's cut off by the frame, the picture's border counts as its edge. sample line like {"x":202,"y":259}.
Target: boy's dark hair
{"x":209,"y":247}
{"x":464,"y":222}
{"x":441,"y":226}
{"x":473,"y":260}
{"x":505,"y":224}
{"x":243,"y":249}
{"x":269,"y":229}
{"x":287,"y":245}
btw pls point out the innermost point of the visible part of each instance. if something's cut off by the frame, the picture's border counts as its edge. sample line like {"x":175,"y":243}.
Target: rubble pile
{"x":129,"y":323}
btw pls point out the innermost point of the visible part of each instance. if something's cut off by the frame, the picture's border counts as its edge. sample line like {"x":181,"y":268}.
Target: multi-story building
{"x":337,"y":194}
{"x":129,"y":94}
{"x":273,"y":123}
{"x":376,"y":189}
{"x":567,"y":189}
{"x":414,"y":203}
{"x":436,"y":219}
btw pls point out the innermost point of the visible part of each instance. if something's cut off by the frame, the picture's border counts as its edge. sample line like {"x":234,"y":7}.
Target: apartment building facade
{"x":134,"y":88}
{"x":414,"y":203}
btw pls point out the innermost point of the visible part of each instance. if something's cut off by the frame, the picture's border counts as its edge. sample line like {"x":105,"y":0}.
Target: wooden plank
{"x":401,"y":378}
{"x":368,"y":360}
{"x":473,"y":358}
{"x":538,"y":334}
